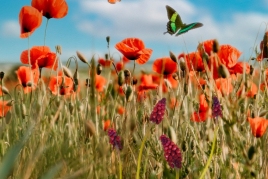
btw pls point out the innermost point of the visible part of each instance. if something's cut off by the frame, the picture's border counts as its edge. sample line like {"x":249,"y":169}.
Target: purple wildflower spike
{"x":172,"y":152}
{"x":114,"y":139}
{"x":216,"y":108}
{"x":158,"y":112}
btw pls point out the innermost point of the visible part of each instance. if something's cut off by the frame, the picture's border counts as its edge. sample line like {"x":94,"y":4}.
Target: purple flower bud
{"x":172,"y":152}
{"x":158,"y":112}
{"x":115,"y":139}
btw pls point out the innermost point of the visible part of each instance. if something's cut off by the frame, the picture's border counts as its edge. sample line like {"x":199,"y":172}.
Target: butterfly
{"x":176,"y":26}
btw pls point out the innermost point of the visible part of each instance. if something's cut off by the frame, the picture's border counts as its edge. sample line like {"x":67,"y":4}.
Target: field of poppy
{"x":200,"y":114}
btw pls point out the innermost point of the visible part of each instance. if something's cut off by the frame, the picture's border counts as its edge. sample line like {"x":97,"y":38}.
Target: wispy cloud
{"x":10,"y":28}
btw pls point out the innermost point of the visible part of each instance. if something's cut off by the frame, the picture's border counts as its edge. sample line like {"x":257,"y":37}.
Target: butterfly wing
{"x":186,"y":28}
{"x":174,"y":23}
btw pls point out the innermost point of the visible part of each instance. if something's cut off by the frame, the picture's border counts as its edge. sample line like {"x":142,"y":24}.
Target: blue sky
{"x":240,"y":23}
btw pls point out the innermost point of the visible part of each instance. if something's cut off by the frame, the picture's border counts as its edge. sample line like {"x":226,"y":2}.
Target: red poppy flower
{"x":240,"y":67}
{"x":99,"y":83}
{"x":106,"y":124}
{"x":193,"y":60}
{"x":120,"y":110}
{"x":4,"y":108}
{"x":28,"y":78}
{"x":204,"y":111}
{"x":29,"y":19}
{"x":113,"y":1}
{"x":228,"y":55}
{"x":250,"y":92}
{"x":61,"y":84}
{"x":51,"y":8}
{"x":105,"y":63}
{"x":208,"y":46}
{"x":134,"y":49}
{"x":164,"y":66}
{"x":40,"y":55}
{"x":147,"y":82}
{"x":224,"y":85}
{"x":258,"y":126}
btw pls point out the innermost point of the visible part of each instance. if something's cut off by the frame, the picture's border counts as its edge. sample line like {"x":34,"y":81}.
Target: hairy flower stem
{"x":211,"y":153}
{"x":140,"y":153}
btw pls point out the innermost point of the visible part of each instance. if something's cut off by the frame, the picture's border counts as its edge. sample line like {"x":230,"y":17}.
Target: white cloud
{"x":147,"y":20}
{"x":10,"y":28}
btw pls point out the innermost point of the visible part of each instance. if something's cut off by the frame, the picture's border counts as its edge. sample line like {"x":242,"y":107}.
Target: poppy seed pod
{"x":2,"y":74}
{"x":81,"y":57}
{"x":215,"y":46}
{"x":58,"y":49}
{"x":223,"y":71}
{"x":173,"y":57}
{"x":129,"y":93}
{"x":99,"y":69}
{"x":121,"y":78}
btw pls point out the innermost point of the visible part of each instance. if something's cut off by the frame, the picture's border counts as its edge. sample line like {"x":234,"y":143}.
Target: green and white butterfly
{"x":176,"y":26}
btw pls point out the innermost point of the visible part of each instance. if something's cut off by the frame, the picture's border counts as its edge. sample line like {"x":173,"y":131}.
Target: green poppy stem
{"x":211,"y":153}
{"x":140,"y":153}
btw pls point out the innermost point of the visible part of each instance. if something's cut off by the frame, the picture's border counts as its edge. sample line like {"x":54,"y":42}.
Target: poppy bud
{"x":67,"y":72}
{"x":251,"y":69}
{"x":71,"y":108}
{"x":215,"y":46}
{"x":173,"y":57}
{"x":108,"y":39}
{"x":4,"y":90}
{"x":182,"y":65}
{"x":2,"y":74}
{"x":58,"y":49}
{"x":30,"y":84}
{"x":127,"y":73}
{"x":81,"y":57}
{"x":223,"y":71}
{"x":121,"y":78}
{"x":251,"y":152}
{"x":99,"y":69}
{"x":134,"y":81}
{"x":23,"y":110}
{"x":90,"y":128}
{"x":106,"y":56}
{"x":129,"y":93}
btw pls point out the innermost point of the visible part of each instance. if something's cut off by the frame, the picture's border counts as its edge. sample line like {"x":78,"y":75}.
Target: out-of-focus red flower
{"x":146,"y":82}
{"x":134,"y":49}
{"x":240,"y":67}
{"x":193,"y":60}
{"x":51,"y":8}
{"x":204,"y":111}
{"x":113,"y":1}
{"x":120,"y":110}
{"x":4,"y":108}
{"x":258,"y":126}
{"x":28,"y":78}
{"x":40,"y":56}
{"x":105,"y":63}
{"x":106,"y":124}
{"x":196,"y":80}
{"x":208,"y":46}
{"x":119,"y":66}
{"x":224,"y":85}
{"x":60,"y":83}
{"x":164,"y":66}
{"x":30,"y":19}
{"x":99,"y":83}
{"x":250,"y":92}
